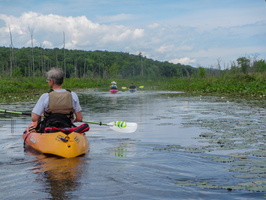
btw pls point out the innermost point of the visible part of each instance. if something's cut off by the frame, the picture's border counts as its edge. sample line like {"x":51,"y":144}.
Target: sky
{"x":200,"y":33}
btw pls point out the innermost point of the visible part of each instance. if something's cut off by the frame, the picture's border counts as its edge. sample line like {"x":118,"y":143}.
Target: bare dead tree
{"x":188,"y":75}
{"x":64,"y":43}
{"x":76,"y":67}
{"x":85,"y":68}
{"x":11,"y":52}
{"x":42,"y":58}
{"x":219,"y":60}
{"x":253,"y":60}
{"x":32,"y":54}
{"x":141,"y":64}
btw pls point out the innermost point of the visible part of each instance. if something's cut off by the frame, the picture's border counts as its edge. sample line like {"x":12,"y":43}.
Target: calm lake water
{"x":184,"y":148}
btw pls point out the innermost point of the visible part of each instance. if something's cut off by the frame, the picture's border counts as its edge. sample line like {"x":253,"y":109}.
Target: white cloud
{"x":173,"y":48}
{"x":154,"y":25}
{"x":115,"y":18}
{"x":185,"y":61}
{"x":79,"y":31}
{"x":138,"y":33}
{"x":165,"y":48}
{"x":47,"y":44}
{"x":186,"y":44}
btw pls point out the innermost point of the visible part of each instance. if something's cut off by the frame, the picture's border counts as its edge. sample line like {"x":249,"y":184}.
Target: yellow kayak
{"x":59,"y":143}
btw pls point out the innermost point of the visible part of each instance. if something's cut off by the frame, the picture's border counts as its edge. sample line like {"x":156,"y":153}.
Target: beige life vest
{"x":60,"y":102}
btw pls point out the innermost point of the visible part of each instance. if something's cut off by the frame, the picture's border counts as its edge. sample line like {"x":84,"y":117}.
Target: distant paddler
{"x":113,"y":87}
{"x":132,"y":88}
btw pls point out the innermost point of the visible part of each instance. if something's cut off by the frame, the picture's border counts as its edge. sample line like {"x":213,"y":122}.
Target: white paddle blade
{"x":123,"y":127}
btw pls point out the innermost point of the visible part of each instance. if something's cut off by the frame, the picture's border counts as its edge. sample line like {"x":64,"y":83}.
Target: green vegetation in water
{"x":30,"y":89}
{"x":255,"y":186}
{"x":235,"y":86}
{"x":237,"y":134}
{"x":250,"y":86}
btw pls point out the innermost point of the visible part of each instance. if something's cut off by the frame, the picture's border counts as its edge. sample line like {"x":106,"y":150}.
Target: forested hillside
{"x":33,"y":62}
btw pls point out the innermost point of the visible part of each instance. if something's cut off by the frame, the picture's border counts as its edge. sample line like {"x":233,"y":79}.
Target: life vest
{"x":60,"y":102}
{"x":60,"y":111}
{"x":113,"y":87}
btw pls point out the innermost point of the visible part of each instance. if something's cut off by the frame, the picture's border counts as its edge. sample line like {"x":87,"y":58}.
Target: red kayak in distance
{"x":113,"y":91}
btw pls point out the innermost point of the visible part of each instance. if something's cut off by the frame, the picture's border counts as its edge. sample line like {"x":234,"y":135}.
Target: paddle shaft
{"x":119,"y":126}
{"x":100,"y":123}
{"x":23,"y":113}
{"x":14,"y":112}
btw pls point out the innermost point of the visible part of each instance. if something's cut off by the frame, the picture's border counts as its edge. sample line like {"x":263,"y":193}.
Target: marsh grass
{"x":30,"y":89}
{"x":240,"y":85}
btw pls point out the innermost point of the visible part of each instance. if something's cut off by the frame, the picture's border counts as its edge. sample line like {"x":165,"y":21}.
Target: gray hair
{"x":56,"y":75}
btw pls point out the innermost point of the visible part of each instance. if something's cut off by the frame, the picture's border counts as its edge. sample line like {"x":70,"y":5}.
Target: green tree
{"x":244,"y":64}
{"x":201,"y":72}
{"x":261,"y":66}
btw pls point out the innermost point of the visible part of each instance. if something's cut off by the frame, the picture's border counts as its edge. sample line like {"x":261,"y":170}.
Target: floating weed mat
{"x":219,"y":159}
{"x":168,"y":148}
{"x":255,"y":186}
{"x":238,"y":132}
{"x":243,"y":169}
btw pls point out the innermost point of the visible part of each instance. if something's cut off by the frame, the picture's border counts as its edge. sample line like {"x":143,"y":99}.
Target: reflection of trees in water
{"x":59,"y":175}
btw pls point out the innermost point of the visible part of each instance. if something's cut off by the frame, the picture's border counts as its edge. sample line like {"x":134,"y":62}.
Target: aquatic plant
{"x":238,"y":85}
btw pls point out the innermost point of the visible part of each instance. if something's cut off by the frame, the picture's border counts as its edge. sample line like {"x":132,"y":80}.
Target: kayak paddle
{"x":141,"y":87}
{"x":119,"y":126}
{"x":14,"y":112}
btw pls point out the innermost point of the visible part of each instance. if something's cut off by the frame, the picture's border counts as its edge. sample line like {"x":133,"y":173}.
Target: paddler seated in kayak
{"x":60,"y":107}
{"x":113,"y":85}
{"x":132,"y":86}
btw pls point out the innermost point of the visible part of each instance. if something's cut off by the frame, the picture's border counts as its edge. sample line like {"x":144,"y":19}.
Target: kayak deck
{"x":68,"y":145}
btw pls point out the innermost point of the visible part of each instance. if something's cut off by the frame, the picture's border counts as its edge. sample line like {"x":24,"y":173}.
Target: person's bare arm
{"x":34,"y":117}
{"x":78,"y":117}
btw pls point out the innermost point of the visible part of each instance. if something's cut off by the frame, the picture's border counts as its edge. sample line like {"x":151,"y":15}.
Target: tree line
{"x":34,"y":62}
{"x":246,"y":65}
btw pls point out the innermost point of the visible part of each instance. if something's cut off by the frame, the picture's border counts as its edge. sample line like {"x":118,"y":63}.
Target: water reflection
{"x":121,"y":150}
{"x":59,"y":176}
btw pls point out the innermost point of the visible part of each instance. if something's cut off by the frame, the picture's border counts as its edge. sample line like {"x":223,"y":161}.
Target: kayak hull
{"x":132,"y":90}
{"x":58,"y":143}
{"x":113,"y":91}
